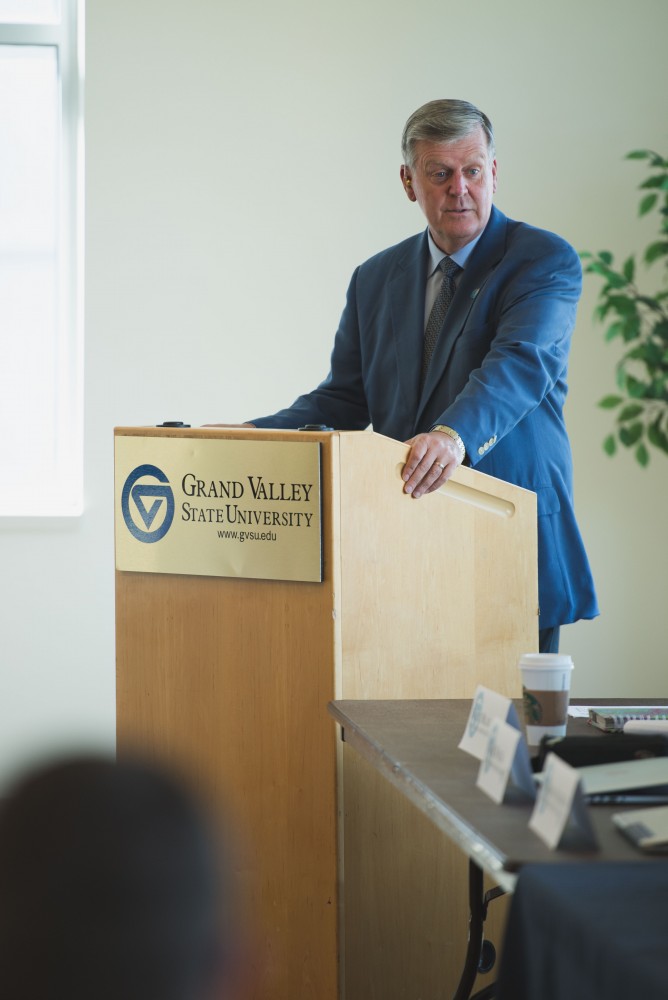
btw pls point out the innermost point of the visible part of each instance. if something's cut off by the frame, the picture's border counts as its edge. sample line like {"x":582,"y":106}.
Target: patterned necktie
{"x":438,"y":311}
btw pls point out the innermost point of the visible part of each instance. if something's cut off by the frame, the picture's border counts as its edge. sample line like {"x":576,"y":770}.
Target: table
{"x":414,"y":744}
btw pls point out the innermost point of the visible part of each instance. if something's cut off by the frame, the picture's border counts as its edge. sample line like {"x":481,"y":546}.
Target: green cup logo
{"x":533,"y":713}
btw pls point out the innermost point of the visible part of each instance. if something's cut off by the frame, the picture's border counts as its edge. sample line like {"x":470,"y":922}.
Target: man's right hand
{"x":431,"y":461}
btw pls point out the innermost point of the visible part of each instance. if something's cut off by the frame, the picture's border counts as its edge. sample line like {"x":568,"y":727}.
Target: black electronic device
{"x":581,"y":751}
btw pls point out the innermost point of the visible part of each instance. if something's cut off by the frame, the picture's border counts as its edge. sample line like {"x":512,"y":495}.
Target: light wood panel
{"x":438,"y":595}
{"x":231,"y":678}
{"x":406,"y":896}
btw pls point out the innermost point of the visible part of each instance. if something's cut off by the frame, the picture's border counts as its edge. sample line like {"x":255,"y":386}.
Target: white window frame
{"x":60,"y":493}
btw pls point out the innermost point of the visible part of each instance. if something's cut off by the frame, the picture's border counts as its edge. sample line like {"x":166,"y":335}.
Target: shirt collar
{"x":436,"y":255}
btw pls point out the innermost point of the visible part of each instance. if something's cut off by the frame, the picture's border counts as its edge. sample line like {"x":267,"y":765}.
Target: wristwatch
{"x":455,"y":437}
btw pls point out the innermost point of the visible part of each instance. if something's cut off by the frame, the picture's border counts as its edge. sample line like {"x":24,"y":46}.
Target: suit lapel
{"x":480,"y":265}
{"x":407,"y":287}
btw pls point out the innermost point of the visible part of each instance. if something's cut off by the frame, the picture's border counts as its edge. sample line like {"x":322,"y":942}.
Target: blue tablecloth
{"x":581,"y":931}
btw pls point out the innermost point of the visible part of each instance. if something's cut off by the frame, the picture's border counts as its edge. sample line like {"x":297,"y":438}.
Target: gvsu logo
{"x":142,"y":501}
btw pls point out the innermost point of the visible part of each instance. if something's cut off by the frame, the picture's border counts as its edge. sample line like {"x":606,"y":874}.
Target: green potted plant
{"x":641,"y":322}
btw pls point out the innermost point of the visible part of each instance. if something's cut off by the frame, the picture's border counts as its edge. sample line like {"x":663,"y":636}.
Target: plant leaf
{"x":636,"y":353}
{"x":630,"y":412}
{"x":658,"y":388}
{"x":614,"y":281}
{"x":625,"y":305}
{"x":609,"y":402}
{"x":657,"y":436}
{"x":641,"y":320}
{"x":647,"y":203}
{"x":656,"y":250}
{"x":600,"y":267}
{"x":652,"y":302}
{"x":629,"y":269}
{"x":614,"y":330}
{"x":630,"y":435}
{"x":631,"y":329}
{"x":634,"y":387}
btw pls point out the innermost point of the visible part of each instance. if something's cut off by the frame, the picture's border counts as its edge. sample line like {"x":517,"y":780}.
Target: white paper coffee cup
{"x":546,"y":684}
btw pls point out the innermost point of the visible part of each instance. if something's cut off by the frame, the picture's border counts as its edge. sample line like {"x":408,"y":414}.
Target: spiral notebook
{"x":612,"y":718}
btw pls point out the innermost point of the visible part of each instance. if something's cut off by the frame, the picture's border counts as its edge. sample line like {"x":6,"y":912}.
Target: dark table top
{"x":414,"y":743}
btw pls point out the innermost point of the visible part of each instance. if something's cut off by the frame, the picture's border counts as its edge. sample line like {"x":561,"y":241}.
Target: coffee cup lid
{"x":546,"y":660}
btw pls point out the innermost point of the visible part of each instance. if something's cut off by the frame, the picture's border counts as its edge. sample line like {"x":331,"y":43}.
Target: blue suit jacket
{"x":498,"y":376}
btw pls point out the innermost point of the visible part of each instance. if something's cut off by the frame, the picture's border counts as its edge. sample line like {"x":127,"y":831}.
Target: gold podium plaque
{"x":219,"y":507}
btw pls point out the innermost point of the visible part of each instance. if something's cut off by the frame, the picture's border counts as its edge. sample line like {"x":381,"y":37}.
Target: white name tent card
{"x":506,"y":765}
{"x":487,"y":706}
{"x":560,"y":816}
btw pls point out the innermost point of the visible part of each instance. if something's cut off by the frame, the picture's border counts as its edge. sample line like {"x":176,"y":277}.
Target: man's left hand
{"x":431,"y":461}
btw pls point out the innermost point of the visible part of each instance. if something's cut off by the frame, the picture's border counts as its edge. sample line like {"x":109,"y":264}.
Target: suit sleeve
{"x":339,"y":401}
{"x":528,"y":325}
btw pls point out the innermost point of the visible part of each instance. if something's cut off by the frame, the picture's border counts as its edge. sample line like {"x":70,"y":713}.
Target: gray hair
{"x":444,"y":121}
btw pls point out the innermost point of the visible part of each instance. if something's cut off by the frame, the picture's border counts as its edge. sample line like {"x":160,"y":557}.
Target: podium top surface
{"x":369,"y":442}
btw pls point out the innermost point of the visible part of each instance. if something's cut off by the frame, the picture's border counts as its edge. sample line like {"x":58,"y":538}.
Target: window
{"x":41,"y":260}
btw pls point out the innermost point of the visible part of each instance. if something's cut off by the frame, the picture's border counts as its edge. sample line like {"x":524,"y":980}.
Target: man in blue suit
{"x":491,"y":390}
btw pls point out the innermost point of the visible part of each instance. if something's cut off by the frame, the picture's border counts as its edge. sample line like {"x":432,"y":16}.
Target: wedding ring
{"x":439,"y":464}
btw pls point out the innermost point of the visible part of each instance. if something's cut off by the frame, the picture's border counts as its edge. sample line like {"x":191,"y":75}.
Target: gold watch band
{"x":455,"y":437}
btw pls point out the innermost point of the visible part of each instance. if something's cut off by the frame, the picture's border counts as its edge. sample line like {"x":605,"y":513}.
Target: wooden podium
{"x":345,"y":890}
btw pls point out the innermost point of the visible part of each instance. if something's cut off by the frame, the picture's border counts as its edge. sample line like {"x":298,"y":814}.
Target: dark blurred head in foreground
{"x":110,"y":887}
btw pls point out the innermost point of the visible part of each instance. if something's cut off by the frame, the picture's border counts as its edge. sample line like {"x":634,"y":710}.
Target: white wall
{"x":241,"y":160}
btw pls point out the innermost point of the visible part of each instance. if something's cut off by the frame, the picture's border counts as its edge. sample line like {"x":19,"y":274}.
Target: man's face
{"x":453,"y":183}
